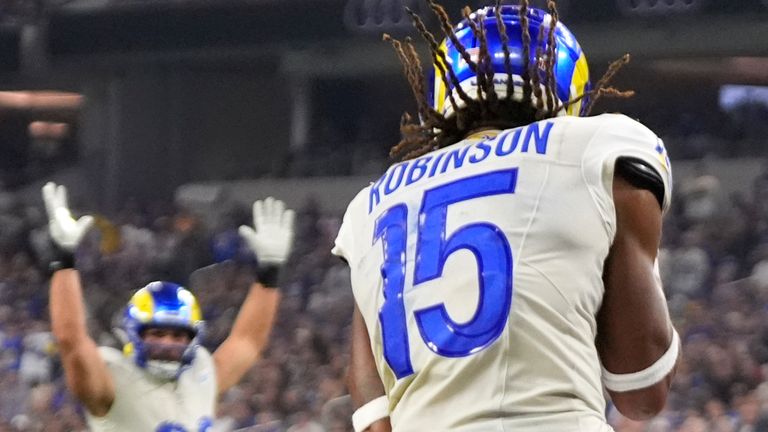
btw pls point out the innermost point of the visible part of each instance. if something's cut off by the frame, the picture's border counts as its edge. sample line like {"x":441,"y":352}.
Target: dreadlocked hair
{"x":602,"y":89}
{"x":434,"y":130}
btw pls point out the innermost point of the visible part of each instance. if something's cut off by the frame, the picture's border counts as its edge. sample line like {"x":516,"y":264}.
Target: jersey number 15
{"x":484,"y":240}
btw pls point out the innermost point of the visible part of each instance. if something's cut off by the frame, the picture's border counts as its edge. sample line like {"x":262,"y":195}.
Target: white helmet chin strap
{"x":470,"y":87}
{"x":163,"y":369}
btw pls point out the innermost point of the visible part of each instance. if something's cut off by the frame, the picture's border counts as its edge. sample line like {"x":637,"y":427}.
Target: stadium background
{"x":168,"y":117}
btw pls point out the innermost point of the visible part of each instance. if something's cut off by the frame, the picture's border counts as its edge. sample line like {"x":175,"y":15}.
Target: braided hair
{"x":436,"y":130}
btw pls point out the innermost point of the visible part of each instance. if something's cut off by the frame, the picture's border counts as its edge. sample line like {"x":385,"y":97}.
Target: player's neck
{"x":483,"y":131}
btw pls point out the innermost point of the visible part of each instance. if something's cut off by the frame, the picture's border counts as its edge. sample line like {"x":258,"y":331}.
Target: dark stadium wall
{"x":148,"y":130}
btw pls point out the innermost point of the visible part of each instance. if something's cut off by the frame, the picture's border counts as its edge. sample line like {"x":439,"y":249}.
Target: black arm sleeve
{"x":641,"y":175}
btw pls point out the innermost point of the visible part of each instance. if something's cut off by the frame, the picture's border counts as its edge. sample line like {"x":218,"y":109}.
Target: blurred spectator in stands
{"x":689,"y":266}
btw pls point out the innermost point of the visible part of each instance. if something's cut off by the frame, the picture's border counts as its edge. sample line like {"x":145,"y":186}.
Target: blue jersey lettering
{"x":435,"y":164}
{"x":418,"y":169}
{"x":396,"y":171}
{"x":407,"y":173}
{"x":457,"y":156}
{"x":485,"y":151}
{"x":507,"y":140}
{"x":541,"y":138}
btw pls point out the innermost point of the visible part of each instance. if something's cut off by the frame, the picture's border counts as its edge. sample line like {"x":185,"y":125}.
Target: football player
{"x":163,"y":380}
{"x":504,"y":270}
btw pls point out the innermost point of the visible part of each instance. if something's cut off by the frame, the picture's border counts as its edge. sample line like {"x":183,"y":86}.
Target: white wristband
{"x":646,"y":377}
{"x":370,"y":413}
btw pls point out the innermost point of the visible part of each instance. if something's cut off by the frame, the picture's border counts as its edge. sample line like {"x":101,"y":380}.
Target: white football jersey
{"x":144,"y":404}
{"x":478,"y":270}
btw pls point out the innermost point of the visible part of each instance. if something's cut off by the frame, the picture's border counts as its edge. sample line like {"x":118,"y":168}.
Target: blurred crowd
{"x":359,"y":145}
{"x":298,"y":386}
{"x":696,"y":132}
{"x":714,"y":263}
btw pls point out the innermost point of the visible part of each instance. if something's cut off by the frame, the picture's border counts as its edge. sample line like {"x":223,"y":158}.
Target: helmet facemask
{"x":165,"y":359}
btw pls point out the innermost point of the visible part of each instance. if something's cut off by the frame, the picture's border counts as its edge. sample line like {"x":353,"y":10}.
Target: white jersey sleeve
{"x":620,"y":136}
{"x":344,"y":246}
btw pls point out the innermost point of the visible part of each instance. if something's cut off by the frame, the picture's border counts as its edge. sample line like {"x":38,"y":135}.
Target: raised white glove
{"x":66,"y":232}
{"x":272,"y":237}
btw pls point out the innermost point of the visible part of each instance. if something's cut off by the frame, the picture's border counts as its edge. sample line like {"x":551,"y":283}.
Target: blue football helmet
{"x":571,"y":69}
{"x":163,"y":305}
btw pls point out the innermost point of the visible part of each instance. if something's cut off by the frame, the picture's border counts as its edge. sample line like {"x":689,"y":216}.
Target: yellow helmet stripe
{"x":195,"y":314}
{"x":144,"y":304}
{"x":440,"y":89}
{"x":578,"y":83}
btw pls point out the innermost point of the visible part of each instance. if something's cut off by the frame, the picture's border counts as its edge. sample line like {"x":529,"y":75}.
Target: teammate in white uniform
{"x":146,"y":402}
{"x":163,"y":381}
{"x":494,"y":276}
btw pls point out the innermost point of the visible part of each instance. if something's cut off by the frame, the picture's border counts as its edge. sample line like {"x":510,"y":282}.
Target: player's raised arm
{"x":86,"y":373}
{"x":637,"y":344}
{"x":365,"y":387}
{"x":270,"y":239}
